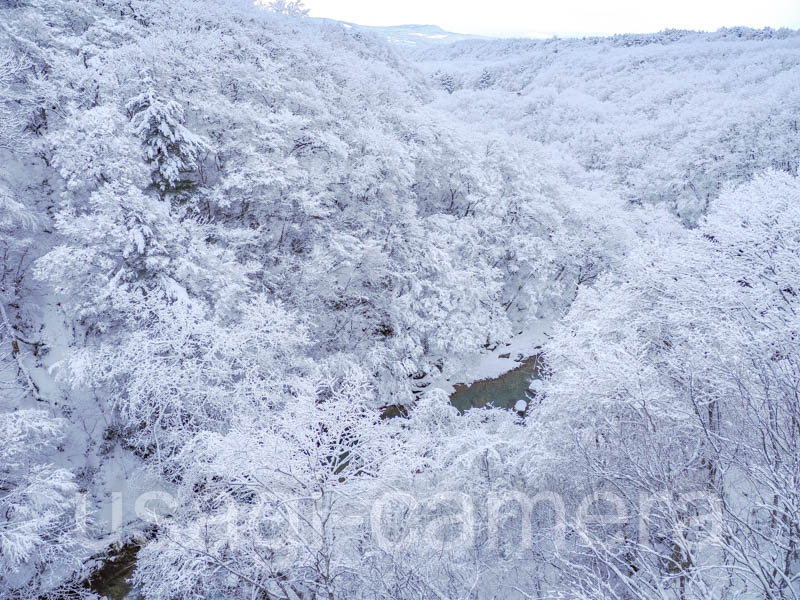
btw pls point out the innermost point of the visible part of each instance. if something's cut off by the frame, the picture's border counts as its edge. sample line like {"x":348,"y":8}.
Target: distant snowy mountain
{"x":418,"y":35}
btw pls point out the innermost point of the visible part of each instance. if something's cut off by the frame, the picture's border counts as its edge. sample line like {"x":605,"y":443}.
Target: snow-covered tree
{"x":124,"y":246}
{"x":230,"y":367}
{"x":693,"y":362}
{"x":486,"y":80}
{"x":174,"y":152}
{"x":39,"y":539}
{"x":291,"y":8}
{"x":12,"y":122}
{"x":279,"y":500}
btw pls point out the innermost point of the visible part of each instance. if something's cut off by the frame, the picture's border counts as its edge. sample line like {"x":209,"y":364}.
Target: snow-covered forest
{"x":248,"y":254}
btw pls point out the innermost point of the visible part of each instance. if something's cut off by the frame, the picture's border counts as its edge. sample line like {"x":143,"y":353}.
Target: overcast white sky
{"x":562,"y":17}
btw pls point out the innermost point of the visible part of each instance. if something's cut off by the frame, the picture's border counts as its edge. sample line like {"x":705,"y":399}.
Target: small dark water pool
{"x":111,"y":580}
{"x":502,"y":392}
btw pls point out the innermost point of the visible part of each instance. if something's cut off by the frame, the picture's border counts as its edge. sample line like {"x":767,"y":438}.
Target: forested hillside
{"x":233,"y":236}
{"x":669,"y":117}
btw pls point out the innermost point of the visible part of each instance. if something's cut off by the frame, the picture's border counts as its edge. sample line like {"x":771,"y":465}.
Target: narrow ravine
{"x":505,"y":391}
